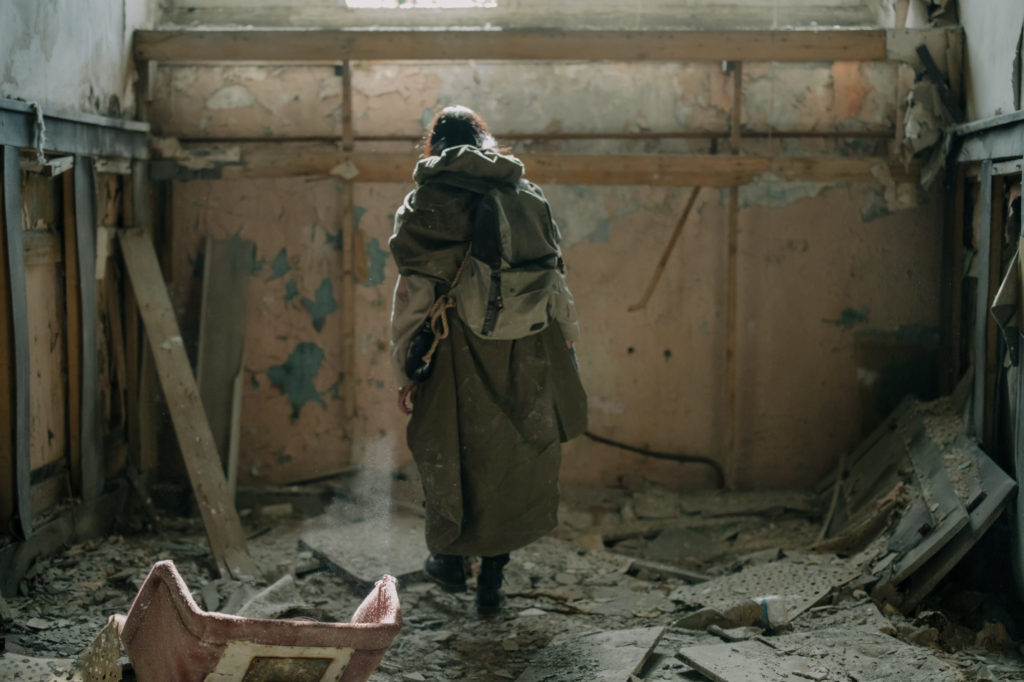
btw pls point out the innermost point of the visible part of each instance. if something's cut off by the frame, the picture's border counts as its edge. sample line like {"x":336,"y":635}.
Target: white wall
{"x":71,"y":54}
{"x":992,"y":30}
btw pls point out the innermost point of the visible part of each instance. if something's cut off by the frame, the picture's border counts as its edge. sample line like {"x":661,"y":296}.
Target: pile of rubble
{"x":638,"y":583}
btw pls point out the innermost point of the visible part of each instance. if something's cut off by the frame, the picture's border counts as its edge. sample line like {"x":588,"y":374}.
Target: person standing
{"x":483,"y":334}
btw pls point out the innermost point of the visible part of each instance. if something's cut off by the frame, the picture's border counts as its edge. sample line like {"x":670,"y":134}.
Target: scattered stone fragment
{"x":414,"y":677}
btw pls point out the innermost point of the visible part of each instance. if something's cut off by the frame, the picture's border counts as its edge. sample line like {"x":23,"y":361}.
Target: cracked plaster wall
{"x":71,"y":54}
{"x":808,"y":252}
{"x":992,"y":52}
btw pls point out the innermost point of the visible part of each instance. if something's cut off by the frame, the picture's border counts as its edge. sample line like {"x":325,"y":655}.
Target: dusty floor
{"x":565,"y":584}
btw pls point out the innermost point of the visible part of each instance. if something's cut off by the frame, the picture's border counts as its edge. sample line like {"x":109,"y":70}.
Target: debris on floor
{"x":636,"y":583}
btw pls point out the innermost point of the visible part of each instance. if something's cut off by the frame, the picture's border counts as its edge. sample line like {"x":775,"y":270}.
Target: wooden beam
{"x":223,"y":527}
{"x":731,"y":415}
{"x":222,"y":333}
{"x":992,"y":359}
{"x":330,"y":45}
{"x":319,"y":159}
{"x":983,"y":240}
{"x":14,"y":377}
{"x":84,"y":235}
{"x":346,"y":197}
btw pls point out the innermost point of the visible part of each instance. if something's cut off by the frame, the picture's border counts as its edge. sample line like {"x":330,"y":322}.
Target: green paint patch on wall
{"x":296,"y":376}
{"x":291,"y":290}
{"x":280,"y":267}
{"x":322,"y":304}
{"x":851,"y":317}
{"x":376,"y":258}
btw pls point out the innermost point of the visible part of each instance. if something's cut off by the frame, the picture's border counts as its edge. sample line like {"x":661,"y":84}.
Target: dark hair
{"x":454,"y":126}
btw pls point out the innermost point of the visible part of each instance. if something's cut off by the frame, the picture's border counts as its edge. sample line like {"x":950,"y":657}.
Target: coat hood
{"x":469,"y":167}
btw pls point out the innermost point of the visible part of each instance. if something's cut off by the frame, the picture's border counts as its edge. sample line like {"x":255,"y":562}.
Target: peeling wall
{"x":393,"y":99}
{"x":71,"y":54}
{"x":992,"y":51}
{"x":293,"y":424}
{"x":819,"y":263}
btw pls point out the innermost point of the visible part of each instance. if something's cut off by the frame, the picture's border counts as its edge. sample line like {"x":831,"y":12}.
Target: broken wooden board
{"x":610,"y":656}
{"x":945,"y":514}
{"x":804,"y":580}
{"x":393,"y":544}
{"x":747,"y":503}
{"x":836,"y":654}
{"x":222,"y":333}
{"x":220,"y":518}
{"x":997,"y":489}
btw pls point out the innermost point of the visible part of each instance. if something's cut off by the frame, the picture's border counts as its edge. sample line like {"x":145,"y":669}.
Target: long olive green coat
{"x":488,"y":424}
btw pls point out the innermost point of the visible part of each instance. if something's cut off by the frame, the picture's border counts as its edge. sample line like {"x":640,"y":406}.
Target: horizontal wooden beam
{"x":296,"y":159}
{"x":329,"y":45}
{"x":72,"y":133}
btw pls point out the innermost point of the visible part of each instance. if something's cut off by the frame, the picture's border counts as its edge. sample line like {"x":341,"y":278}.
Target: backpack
{"x":513,"y":273}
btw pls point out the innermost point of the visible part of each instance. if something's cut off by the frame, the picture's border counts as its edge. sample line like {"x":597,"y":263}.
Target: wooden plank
{"x":730,"y":427}
{"x":940,"y":500}
{"x":348,"y":264}
{"x":665,"y":570}
{"x":998,"y":492}
{"x":222,"y":332}
{"x":85,"y":230}
{"x":318,"y":45}
{"x":956,"y":274}
{"x":220,"y":518}
{"x":117,"y":353}
{"x":73,"y":338}
{"x":148,"y":394}
{"x":141,"y":380}
{"x":983,"y":239}
{"x":319,"y":159}
{"x":15,"y":378}
{"x":609,"y":656}
{"x":992,"y":334}
{"x":42,"y":248}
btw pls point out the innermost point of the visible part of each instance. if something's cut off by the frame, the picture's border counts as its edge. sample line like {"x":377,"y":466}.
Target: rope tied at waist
{"x":438,"y":314}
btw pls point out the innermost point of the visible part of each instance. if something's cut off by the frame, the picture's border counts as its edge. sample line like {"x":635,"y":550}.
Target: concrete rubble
{"x":645,"y":583}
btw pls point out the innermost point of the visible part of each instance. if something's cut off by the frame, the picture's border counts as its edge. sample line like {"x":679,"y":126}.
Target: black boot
{"x":447,"y":570}
{"x":489,"y":597}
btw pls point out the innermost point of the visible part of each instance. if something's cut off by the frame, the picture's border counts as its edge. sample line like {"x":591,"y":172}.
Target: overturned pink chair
{"x":170,"y":639}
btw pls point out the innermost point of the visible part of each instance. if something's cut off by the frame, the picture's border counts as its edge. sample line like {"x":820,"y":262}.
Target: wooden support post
{"x":955,"y":284}
{"x":983,"y":240}
{"x":14,"y":366}
{"x":730,"y":427}
{"x":142,"y":392}
{"x":84,"y":238}
{"x":992,"y":335}
{"x":348,"y":292}
{"x":220,"y":518}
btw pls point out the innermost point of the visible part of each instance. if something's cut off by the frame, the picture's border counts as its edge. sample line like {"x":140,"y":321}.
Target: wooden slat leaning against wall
{"x":222,"y":334}
{"x":14,"y":365}
{"x":220,"y":518}
{"x":84,"y":236}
